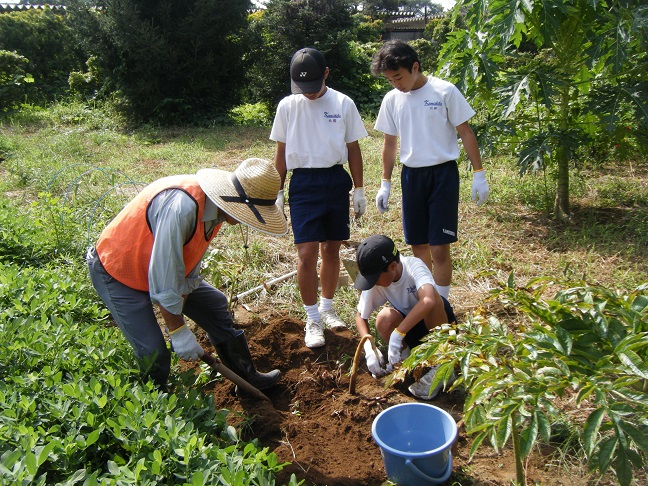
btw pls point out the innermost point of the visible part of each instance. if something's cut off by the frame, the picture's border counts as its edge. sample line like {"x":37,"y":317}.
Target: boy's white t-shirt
{"x":425,"y":120}
{"x":402,"y":295}
{"x":316,"y":131}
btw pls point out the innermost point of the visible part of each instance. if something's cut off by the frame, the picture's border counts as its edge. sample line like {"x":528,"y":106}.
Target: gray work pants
{"x":132,"y":310}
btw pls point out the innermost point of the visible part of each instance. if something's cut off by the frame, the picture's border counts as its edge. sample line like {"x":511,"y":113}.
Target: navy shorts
{"x":319,"y":204}
{"x":417,"y":333}
{"x":430,"y":204}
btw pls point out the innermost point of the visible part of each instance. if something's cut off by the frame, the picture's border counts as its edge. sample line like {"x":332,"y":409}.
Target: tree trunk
{"x":561,"y":205}
{"x":520,"y":475}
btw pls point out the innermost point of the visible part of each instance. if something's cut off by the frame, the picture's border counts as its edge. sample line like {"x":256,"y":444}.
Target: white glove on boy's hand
{"x":359,"y":201}
{"x":382,"y":197}
{"x":374,"y":364}
{"x":281,"y":201}
{"x":480,"y":187}
{"x":396,"y":346}
{"x":185,"y":345}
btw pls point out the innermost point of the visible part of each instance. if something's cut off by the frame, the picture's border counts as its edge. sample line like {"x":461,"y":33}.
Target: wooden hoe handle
{"x":230,"y":375}
{"x":354,"y":367}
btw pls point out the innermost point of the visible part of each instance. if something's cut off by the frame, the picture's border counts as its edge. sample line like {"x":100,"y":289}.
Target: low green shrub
{"x":580,"y":358}
{"x":73,"y":407}
{"x":37,"y":234}
{"x":251,"y":115}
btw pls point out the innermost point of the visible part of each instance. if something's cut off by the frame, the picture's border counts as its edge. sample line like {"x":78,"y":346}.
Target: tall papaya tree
{"x":560,"y":76}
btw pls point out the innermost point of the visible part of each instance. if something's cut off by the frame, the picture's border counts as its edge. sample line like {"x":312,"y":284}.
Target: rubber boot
{"x":235,"y":354}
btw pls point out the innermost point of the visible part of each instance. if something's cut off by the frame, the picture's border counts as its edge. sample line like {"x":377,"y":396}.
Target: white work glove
{"x":185,"y":345}
{"x":480,"y":187}
{"x":396,"y":346}
{"x":359,"y":201}
{"x":374,"y":364}
{"x":383,"y":196}
{"x":281,"y":201}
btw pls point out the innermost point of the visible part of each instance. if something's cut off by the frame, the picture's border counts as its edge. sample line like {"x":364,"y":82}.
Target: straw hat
{"x":248,"y":194}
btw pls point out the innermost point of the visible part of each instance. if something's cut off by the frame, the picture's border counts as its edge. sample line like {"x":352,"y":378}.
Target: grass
{"x":95,"y":164}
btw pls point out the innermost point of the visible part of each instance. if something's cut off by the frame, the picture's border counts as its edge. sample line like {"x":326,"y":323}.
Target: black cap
{"x":373,"y":256}
{"x":307,"y":69}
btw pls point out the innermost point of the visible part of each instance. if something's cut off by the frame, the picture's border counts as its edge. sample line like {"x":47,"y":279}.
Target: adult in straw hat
{"x":150,"y":255}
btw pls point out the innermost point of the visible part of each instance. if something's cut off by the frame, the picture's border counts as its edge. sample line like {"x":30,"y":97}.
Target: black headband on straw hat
{"x":248,"y":194}
{"x":250,"y":201}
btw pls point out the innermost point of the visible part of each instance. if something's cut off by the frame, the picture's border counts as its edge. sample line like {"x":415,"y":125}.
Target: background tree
{"x":45,"y":39}
{"x":13,"y":79}
{"x":557,"y":76}
{"x":329,"y":26}
{"x":167,"y":61}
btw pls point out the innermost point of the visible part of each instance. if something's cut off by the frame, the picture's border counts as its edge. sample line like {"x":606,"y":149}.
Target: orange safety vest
{"x":124,"y":246}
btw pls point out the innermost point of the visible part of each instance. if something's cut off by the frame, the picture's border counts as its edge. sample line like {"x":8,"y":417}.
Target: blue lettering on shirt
{"x":411,"y":290}
{"x":434,"y":105}
{"x":326,"y":115}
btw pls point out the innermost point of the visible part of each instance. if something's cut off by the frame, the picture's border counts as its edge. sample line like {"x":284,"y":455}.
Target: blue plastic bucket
{"x":415,"y":441}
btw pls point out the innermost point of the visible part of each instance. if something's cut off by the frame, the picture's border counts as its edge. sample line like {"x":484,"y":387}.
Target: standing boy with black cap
{"x":415,"y":305}
{"x":317,"y":131}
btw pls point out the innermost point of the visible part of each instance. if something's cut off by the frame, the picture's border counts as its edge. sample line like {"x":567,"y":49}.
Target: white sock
{"x":312,"y":312}
{"x":325,"y":304}
{"x":444,"y":290}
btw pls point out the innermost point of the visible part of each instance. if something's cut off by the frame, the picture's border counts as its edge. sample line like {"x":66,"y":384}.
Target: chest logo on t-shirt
{"x":411,"y":290}
{"x":433,"y":105}
{"x":332,"y":118}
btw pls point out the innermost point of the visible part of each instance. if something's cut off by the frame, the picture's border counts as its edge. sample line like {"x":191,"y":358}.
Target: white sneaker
{"x":314,"y":334}
{"x":331,"y":319}
{"x":421,"y":388}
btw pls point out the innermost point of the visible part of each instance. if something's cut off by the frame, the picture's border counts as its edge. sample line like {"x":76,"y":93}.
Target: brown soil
{"x":324,"y":431}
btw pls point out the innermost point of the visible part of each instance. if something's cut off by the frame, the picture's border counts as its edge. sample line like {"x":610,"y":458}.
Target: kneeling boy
{"x":415,"y":305}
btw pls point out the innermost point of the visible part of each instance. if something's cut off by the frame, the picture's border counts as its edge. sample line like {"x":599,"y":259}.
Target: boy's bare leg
{"x":437,"y":315}
{"x":442,"y":271}
{"x":423,"y":252}
{"x":307,"y":271}
{"x":387,"y":320}
{"x":438,"y":260}
{"x":330,"y":267}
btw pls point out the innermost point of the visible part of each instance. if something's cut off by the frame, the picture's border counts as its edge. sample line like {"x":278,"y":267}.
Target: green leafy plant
{"x":13,"y":78}
{"x":251,"y":115}
{"x":554,"y":77}
{"x":585,"y":349}
{"x":72,"y":409}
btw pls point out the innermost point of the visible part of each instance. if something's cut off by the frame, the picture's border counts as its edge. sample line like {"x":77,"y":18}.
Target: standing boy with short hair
{"x":426,"y":113}
{"x":317,"y":131}
{"x":415,"y":305}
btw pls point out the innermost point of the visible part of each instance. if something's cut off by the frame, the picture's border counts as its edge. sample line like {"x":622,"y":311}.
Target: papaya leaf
{"x":591,"y":429}
{"x":528,"y":436}
{"x":606,"y":453}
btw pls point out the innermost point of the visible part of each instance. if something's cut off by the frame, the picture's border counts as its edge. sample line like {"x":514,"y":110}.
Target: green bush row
{"x":73,"y":406}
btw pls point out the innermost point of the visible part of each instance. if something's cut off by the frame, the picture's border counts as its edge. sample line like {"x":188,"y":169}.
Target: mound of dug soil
{"x":324,"y":431}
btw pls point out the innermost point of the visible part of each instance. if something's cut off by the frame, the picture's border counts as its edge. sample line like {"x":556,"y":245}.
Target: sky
{"x":447,"y":4}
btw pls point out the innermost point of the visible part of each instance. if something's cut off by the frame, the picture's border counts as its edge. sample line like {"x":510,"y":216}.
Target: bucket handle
{"x":442,"y":479}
